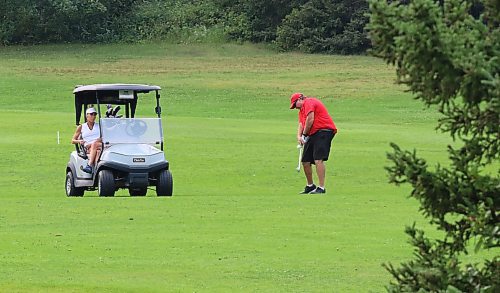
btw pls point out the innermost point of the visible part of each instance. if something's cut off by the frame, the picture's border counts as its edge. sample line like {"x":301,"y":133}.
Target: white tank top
{"x":88,"y":135}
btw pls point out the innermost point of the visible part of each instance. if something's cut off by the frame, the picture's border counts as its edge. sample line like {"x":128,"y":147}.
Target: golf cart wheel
{"x":137,"y":191}
{"x":165,"y":183}
{"x":71,"y":190}
{"x":106,"y":183}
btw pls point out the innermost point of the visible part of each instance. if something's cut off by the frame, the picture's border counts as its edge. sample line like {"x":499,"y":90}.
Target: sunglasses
{"x":92,"y":114}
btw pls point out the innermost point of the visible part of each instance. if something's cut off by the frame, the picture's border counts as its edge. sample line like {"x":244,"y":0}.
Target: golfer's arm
{"x":308,"y":124}
{"x":299,"y":131}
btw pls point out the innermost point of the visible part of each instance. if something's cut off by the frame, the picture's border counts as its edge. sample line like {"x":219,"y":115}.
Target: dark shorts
{"x":318,"y":146}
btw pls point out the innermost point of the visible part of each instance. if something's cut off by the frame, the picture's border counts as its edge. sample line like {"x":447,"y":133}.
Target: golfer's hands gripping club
{"x":303,"y":139}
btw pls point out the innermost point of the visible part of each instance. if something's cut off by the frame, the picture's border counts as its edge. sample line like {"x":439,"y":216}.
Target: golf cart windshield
{"x":131,"y":130}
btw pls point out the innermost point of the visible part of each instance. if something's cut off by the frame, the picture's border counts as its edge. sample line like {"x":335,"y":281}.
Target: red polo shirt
{"x":322,"y":119}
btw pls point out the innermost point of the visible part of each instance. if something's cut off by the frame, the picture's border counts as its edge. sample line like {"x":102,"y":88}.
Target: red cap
{"x":294,"y":99}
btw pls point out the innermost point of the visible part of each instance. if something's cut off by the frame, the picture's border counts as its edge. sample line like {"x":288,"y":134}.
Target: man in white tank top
{"x":89,"y":135}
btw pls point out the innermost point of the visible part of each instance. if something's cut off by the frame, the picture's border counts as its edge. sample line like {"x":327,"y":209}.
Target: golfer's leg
{"x":308,"y":172}
{"x":320,"y":170}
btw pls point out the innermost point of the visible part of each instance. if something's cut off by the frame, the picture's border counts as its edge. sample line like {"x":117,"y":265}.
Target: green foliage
{"x":53,"y":21}
{"x":325,"y":26}
{"x":50,"y":21}
{"x":262,"y":17}
{"x":179,"y":20}
{"x":436,"y":270}
{"x":237,"y":26}
{"x":448,"y":57}
{"x":57,"y":21}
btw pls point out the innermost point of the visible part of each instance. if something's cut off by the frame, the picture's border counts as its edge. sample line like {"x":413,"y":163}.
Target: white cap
{"x":90,"y":110}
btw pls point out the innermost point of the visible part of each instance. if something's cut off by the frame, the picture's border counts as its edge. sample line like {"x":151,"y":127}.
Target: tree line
{"x":312,"y":26}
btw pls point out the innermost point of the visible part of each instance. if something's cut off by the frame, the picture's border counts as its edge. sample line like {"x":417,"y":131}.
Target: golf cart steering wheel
{"x":136,"y":128}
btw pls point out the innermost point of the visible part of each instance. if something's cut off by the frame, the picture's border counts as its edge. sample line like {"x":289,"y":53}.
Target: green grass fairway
{"x":235,"y":222}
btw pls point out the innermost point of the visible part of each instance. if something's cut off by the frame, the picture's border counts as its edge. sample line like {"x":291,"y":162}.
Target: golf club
{"x":300,"y":157}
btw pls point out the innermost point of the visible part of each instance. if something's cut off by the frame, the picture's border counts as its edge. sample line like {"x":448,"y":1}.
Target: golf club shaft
{"x":300,"y":158}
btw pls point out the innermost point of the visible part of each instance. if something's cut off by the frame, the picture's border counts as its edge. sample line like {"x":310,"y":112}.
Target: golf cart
{"x":132,"y":148}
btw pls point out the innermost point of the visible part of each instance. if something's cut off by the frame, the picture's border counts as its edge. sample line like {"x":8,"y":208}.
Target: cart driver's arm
{"x":76,"y":137}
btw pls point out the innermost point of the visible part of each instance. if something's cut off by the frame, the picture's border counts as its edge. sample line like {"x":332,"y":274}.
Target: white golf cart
{"x":132,"y":148}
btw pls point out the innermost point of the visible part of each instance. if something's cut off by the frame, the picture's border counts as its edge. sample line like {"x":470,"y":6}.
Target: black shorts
{"x":318,"y":146}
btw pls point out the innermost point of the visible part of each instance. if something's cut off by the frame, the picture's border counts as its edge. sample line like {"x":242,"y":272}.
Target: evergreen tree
{"x":448,"y":54}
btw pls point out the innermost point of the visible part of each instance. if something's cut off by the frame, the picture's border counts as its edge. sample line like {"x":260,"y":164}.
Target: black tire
{"x":106,"y":183}
{"x":71,"y":190}
{"x":137,"y":191}
{"x":165,"y":183}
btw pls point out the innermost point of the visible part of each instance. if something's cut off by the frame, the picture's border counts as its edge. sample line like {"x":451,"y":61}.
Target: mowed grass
{"x":235,"y":222}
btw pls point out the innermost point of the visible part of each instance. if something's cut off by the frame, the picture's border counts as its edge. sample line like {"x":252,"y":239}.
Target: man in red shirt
{"x":315,"y":133}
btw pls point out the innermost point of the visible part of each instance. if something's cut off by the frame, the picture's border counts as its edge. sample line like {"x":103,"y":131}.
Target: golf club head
{"x":297,"y":169}
{"x":109,"y":112}
{"x":115,"y":110}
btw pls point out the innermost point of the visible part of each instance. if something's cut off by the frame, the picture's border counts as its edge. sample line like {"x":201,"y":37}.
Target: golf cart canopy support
{"x":117,"y":94}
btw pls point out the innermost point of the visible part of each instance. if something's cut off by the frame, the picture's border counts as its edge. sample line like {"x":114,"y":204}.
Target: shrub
{"x":186,"y":20}
{"x":322,"y":26}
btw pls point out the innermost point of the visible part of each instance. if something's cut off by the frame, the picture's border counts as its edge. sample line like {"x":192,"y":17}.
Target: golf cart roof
{"x":118,"y":94}
{"x":140,"y":88}
{"x":110,"y":93}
